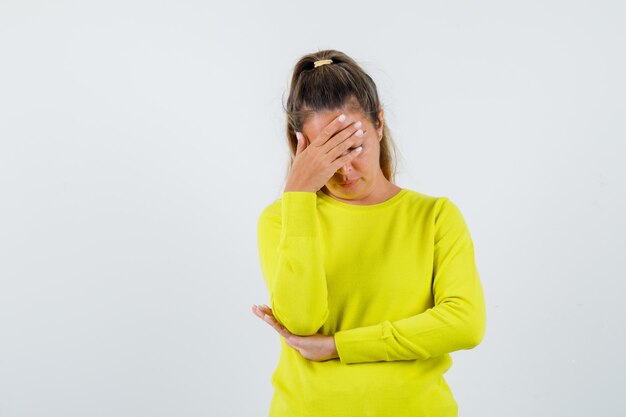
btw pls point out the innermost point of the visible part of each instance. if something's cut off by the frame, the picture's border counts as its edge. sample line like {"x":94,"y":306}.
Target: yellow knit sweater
{"x":394,"y":282}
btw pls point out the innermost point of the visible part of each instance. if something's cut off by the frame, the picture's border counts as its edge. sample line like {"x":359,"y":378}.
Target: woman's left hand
{"x":317,"y":347}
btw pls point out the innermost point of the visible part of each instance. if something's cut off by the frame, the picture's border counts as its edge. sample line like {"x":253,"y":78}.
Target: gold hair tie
{"x":322,"y":62}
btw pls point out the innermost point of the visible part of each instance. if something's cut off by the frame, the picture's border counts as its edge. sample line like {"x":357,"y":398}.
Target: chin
{"x":347,"y":192}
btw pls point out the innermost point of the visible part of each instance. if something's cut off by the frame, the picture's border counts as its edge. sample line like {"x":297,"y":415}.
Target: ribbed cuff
{"x":299,"y":213}
{"x":362,"y":344}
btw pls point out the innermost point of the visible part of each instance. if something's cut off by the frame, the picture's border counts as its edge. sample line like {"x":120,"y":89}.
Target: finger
{"x":301,"y":143}
{"x":344,"y":139}
{"x":271,"y":320}
{"x":263,"y":316}
{"x":347,"y":146}
{"x":266,"y":310}
{"x":257,"y":312}
{"x":261,"y":312}
{"x":341,"y":161}
{"x":262,"y":309}
{"x":279,"y":328}
{"x":331,"y":129}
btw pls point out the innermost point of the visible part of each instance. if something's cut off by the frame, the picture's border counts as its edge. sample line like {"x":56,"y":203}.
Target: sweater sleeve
{"x":456,"y":321}
{"x":290,"y":254}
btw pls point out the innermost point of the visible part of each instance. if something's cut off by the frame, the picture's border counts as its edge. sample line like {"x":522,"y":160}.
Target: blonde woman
{"x":371,"y":285}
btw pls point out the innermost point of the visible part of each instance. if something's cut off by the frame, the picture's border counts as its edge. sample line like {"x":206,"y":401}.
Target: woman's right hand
{"x":316,"y":163}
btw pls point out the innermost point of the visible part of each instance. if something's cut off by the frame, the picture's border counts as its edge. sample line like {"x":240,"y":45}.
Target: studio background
{"x":140,"y":140}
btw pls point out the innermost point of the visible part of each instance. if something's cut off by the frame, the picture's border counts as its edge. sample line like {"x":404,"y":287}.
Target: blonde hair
{"x":330,"y":87}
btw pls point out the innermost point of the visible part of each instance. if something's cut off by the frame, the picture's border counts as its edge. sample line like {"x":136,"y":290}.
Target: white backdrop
{"x":141,"y":139}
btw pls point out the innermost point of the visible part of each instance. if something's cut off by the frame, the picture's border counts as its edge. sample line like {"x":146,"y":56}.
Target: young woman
{"x":371,"y":286}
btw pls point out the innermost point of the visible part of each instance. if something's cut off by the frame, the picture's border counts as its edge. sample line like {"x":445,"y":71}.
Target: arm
{"x":291,"y":262}
{"x":457,"y":320}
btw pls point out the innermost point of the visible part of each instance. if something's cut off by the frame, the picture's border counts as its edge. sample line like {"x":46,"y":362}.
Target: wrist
{"x":297,"y":188}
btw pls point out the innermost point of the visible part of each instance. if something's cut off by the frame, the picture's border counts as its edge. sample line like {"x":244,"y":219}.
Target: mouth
{"x":350,"y":182}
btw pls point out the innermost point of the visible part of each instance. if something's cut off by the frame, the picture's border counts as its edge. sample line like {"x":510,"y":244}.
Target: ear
{"x":381,"y":123}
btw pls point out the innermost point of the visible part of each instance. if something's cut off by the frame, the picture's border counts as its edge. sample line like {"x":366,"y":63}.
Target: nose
{"x":344,"y":170}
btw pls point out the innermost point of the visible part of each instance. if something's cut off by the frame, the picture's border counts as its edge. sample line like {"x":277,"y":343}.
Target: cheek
{"x":370,"y":153}
{"x":365,"y":161}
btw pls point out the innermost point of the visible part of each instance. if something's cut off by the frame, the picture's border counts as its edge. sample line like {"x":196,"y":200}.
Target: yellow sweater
{"x":395,"y":283}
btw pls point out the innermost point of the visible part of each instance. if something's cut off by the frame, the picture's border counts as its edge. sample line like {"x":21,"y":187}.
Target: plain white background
{"x":141,"y":139}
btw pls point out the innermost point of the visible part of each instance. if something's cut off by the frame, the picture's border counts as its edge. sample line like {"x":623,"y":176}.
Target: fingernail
{"x":342,"y":117}
{"x":359,"y":132}
{"x":357,"y":124}
{"x":359,"y":149}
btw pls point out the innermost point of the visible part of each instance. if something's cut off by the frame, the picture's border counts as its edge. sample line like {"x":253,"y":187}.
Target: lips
{"x":348,"y":182}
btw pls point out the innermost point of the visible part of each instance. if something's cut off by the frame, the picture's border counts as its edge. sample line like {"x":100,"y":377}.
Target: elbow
{"x":301,"y":323}
{"x":301,"y":328}
{"x":474,"y":330}
{"x":305,"y":327}
{"x":475,"y":337}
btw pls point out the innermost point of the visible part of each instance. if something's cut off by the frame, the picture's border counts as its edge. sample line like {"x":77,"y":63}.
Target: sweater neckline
{"x":359,"y":207}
